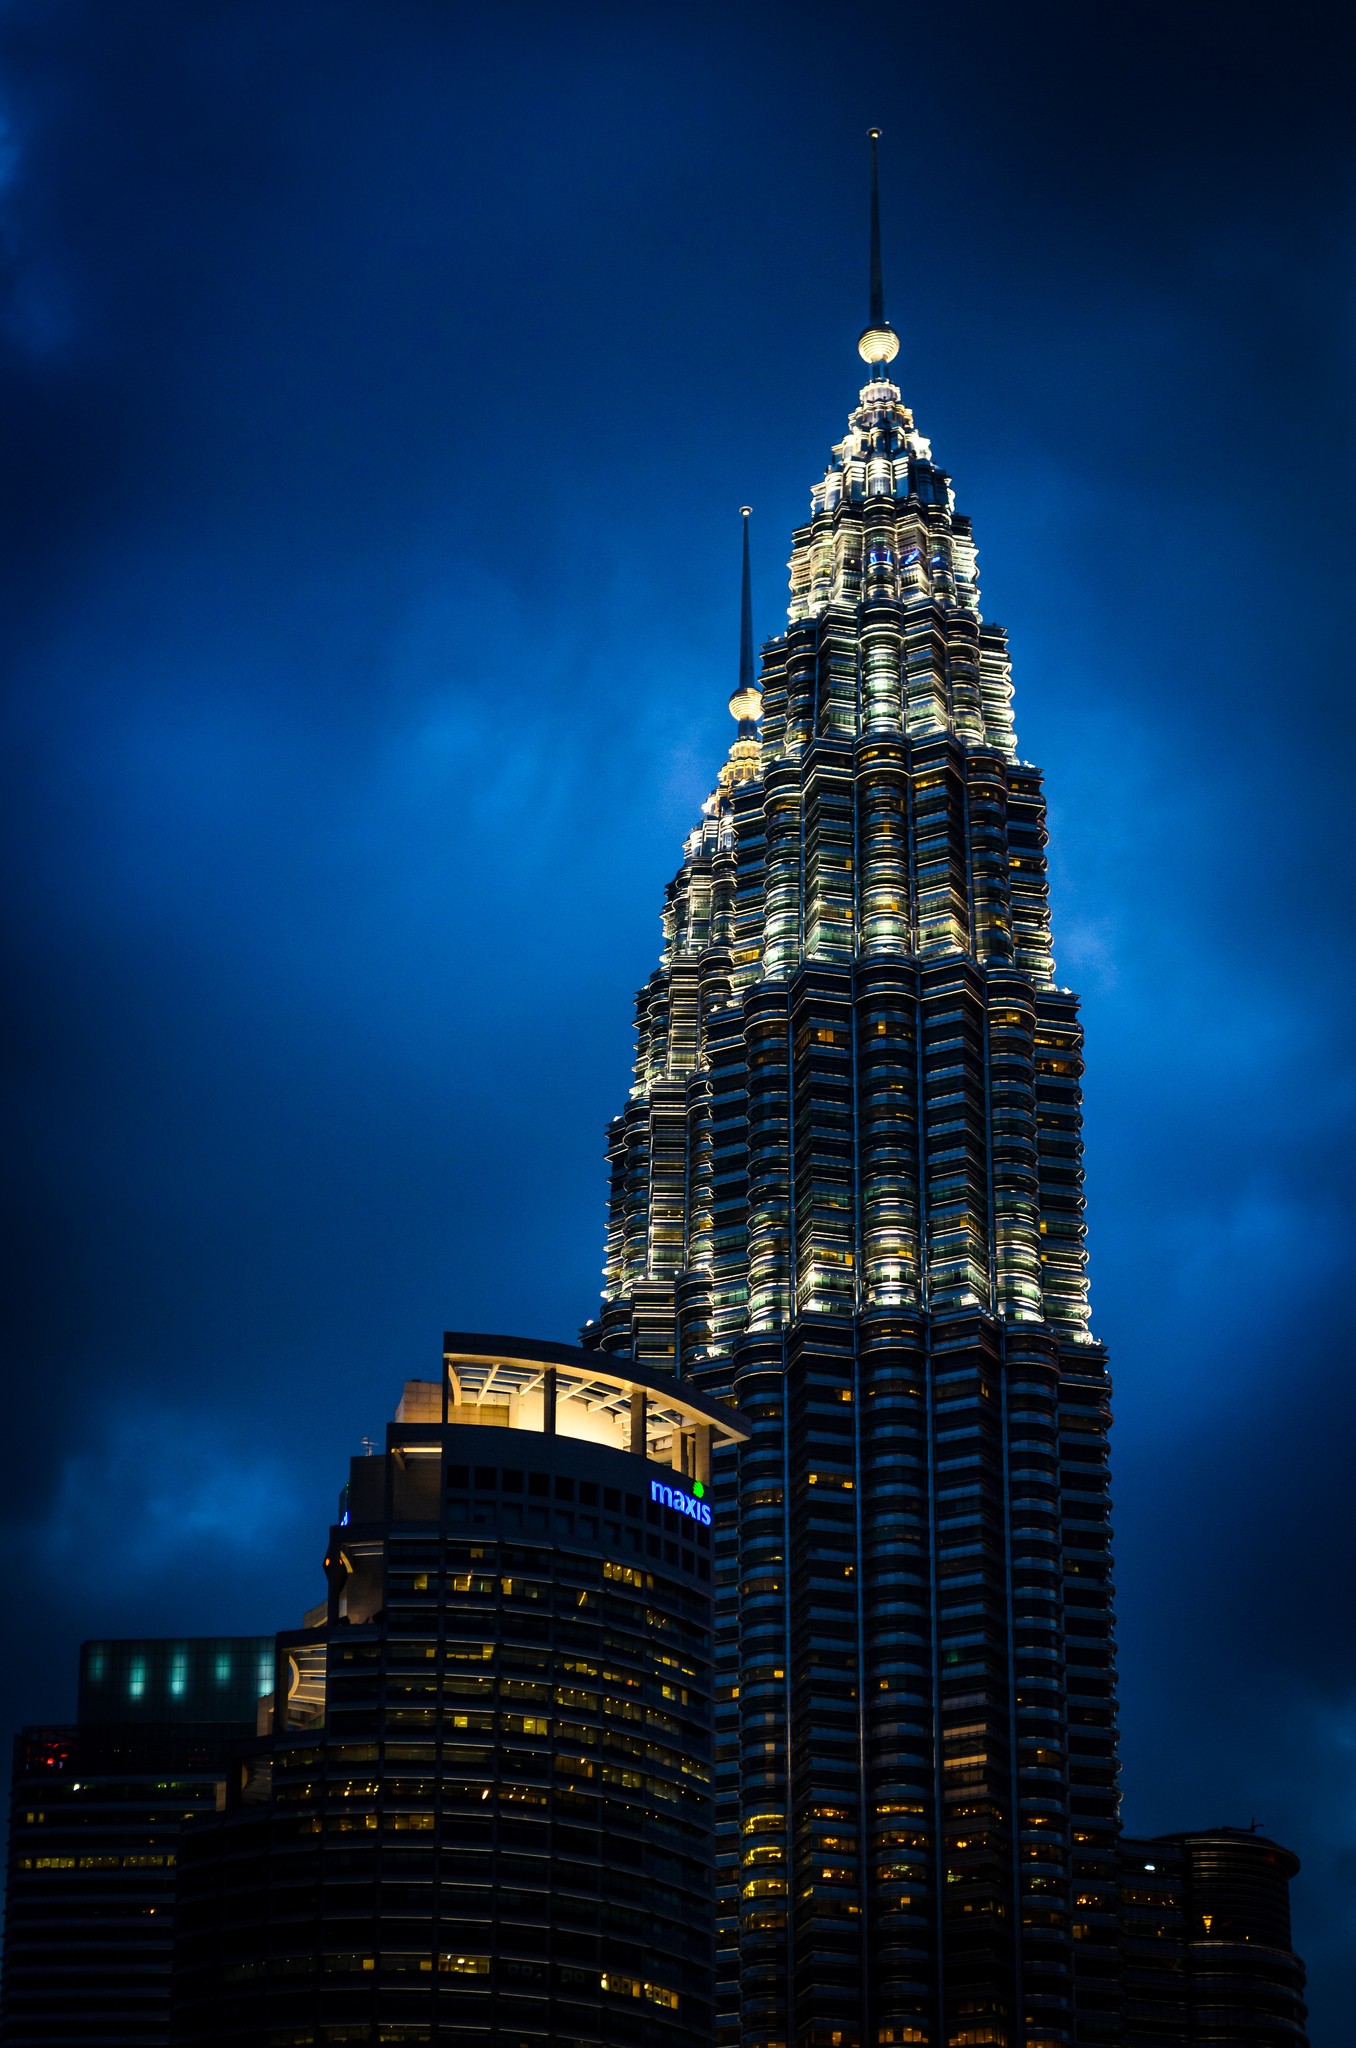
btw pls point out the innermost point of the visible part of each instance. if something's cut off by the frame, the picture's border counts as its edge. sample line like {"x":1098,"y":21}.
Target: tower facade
{"x":846,"y":1193}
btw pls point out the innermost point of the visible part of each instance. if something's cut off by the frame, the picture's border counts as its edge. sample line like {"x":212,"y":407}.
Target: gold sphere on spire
{"x":878,"y":346}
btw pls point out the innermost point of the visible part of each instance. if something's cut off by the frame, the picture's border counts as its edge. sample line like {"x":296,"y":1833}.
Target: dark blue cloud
{"x":379,"y":387}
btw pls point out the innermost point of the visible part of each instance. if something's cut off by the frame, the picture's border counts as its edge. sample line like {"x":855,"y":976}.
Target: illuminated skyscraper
{"x":846,"y":1196}
{"x":847,"y":1193}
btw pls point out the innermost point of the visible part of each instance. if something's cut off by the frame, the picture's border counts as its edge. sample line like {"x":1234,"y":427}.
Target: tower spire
{"x":747,"y":702}
{"x":746,"y":612}
{"x":879,"y":343}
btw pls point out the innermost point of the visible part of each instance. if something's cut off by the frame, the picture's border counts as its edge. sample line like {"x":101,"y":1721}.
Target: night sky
{"x":380,"y":386}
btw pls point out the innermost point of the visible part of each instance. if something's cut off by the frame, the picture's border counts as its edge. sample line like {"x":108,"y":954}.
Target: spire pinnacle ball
{"x":878,"y":346}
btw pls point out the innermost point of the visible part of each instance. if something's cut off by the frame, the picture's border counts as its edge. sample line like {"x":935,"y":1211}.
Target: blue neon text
{"x":682,"y":1503}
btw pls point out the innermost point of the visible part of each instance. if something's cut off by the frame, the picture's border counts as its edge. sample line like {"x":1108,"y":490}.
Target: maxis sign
{"x":690,"y":1504}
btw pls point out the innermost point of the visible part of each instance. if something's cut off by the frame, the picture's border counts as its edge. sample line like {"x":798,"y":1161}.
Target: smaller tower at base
{"x":1206,"y":1944}
{"x":482,"y":1810}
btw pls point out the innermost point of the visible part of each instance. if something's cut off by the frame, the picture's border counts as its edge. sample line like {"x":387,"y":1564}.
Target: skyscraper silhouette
{"x":847,"y":1193}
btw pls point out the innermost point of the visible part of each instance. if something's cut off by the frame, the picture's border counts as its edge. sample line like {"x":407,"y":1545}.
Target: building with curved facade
{"x":483,"y":1812}
{"x":1208,"y":1956}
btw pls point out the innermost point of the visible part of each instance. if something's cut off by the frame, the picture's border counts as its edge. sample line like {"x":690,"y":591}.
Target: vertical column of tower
{"x":652,"y":1014}
{"x":940,"y":847}
{"x":1090,"y":1684}
{"x":653,"y":1305}
{"x":694,"y":1288}
{"x":955,"y":1135}
{"x":986,"y":810}
{"x":925,"y":690}
{"x":829,"y":881}
{"x":881,"y":642}
{"x":727,"y":1057}
{"x":1026,"y":869}
{"x":887,"y":1134}
{"x":696,"y":1281}
{"x":1035,"y":1538}
{"x":823,"y":1145}
{"x":647,"y":1293}
{"x":677,"y":1035}
{"x":882,"y":847}
{"x":668,"y":1178}
{"x":829,"y":1957}
{"x":965,"y":569}
{"x":1059,"y":1069}
{"x":726,"y":1716}
{"x":836,"y":712}
{"x":814,"y":568}
{"x":802,"y":692}
{"x":748,"y":913}
{"x":841,"y":555}
{"x":783,"y":907}
{"x":962,"y":664}
{"x":774,"y":683}
{"x":768,"y":1052}
{"x":899,"y":1820}
{"x":614,"y":1257}
{"x":634,"y":1151}
{"x":911,"y":533}
{"x":683,"y":1044}
{"x":977,"y":1788}
{"x":995,"y":682}
{"x":1012,"y":1143}
{"x":766,"y":1905}
{"x":729,"y":1181}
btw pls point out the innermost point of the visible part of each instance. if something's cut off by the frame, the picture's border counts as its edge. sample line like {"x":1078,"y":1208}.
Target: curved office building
{"x":1208,"y":1952}
{"x":485,"y":1813}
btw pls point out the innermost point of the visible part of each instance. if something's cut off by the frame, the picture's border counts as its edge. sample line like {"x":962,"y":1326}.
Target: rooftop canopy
{"x":557,"y":1389}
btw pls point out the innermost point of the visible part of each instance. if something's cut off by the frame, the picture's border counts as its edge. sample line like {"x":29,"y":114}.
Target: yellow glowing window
{"x":623,"y":1987}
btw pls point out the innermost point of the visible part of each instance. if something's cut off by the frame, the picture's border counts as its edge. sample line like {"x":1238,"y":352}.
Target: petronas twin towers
{"x":847,"y":1194}
{"x":790,"y":1619}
